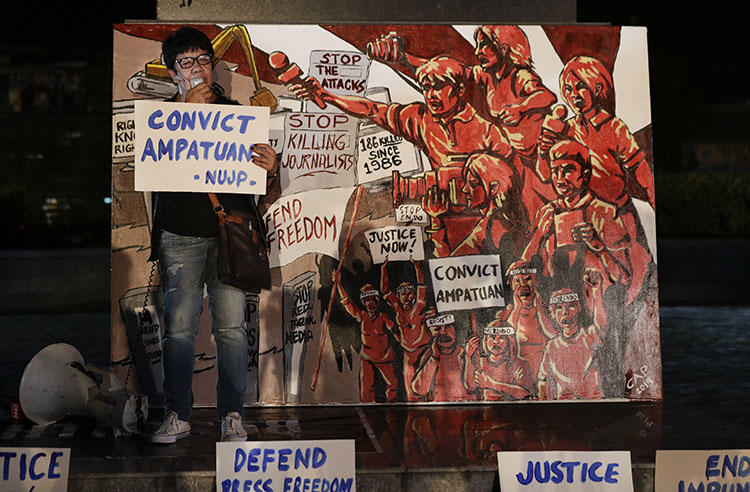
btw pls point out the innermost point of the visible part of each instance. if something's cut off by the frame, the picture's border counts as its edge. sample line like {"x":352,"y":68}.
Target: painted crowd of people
{"x":553,"y":197}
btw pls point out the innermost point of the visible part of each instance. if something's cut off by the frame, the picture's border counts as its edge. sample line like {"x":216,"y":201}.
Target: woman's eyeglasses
{"x":188,"y":61}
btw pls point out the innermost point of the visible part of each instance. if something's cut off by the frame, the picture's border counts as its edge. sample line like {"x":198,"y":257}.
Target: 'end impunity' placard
{"x":574,"y":471}
{"x":286,"y":466}
{"x":199,"y":147}
{"x":703,"y":470}
{"x":37,"y":469}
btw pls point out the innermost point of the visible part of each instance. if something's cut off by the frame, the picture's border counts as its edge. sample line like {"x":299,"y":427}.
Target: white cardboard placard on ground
{"x":702,"y":470}
{"x":278,"y":466}
{"x":40,"y":469}
{"x":574,"y":471}
{"x":199,"y":147}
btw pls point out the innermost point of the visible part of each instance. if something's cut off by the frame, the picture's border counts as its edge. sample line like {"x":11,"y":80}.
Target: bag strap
{"x":224,"y":217}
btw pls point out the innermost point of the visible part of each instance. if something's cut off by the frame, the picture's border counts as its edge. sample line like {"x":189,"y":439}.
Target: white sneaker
{"x":231,"y":428}
{"x":171,"y":429}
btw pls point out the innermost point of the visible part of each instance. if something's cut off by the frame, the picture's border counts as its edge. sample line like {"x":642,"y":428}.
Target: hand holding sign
{"x":264,"y":156}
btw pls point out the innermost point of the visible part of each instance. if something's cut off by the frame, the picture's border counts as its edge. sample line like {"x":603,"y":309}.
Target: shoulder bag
{"x":243,"y":258}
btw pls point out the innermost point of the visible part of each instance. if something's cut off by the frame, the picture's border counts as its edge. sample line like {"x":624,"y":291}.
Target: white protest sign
{"x":199,"y":147}
{"x":37,"y":469}
{"x":396,"y":243}
{"x":308,"y":222}
{"x":578,"y":471}
{"x":340,"y":72}
{"x":411,"y":212}
{"x":123,"y":136}
{"x":704,"y":470}
{"x":319,"y":152}
{"x":381,"y":153}
{"x":149,"y":330}
{"x":467,"y":282}
{"x":276,"y":132}
{"x":286,"y":466}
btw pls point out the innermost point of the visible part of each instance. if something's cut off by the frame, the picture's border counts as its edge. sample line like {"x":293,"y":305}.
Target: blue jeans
{"x":185,"y":264}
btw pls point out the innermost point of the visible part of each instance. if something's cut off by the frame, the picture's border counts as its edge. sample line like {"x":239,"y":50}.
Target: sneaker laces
{"x":172,"y":422}
{"x":234,"y":423}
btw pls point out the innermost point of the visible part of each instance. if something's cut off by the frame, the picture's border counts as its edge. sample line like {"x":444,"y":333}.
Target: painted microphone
{"x":290,"y":73}
{"x":555,"y":122}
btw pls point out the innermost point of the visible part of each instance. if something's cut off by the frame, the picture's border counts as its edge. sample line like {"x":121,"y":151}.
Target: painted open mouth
{"x":568,"y":322}
{"x":436,"y":104}
{"x":445,"y":340}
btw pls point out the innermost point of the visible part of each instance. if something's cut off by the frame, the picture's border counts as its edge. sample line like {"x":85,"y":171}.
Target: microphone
{"x":555,"y":122}
{"x":290,"y":73}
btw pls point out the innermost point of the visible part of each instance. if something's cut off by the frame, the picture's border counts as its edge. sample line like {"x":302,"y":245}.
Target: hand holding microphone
{"x":291,"y":75}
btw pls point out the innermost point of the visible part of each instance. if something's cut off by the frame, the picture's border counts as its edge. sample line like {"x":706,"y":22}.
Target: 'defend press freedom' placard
{"x":199,"y":147}
{"x":37,"y":469}
{"x":704,"y":470}
{"x":573,"y":471}
{"x":285,"y":466}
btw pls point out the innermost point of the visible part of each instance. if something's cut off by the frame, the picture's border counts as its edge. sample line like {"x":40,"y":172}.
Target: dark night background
{"x":55,"y":113}
{"x":55,"y":134}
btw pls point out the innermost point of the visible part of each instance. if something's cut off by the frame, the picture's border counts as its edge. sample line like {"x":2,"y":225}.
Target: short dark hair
{"x":182,"y":40}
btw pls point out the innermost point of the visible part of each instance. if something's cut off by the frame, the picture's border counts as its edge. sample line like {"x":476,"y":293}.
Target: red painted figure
{"x":438,"y":373}
{"x":578,"y":230}
{"x":514,"y":97}
{"x":376,"y":351}
{"x":491,"y":188}
{"x":527,"y":314}
{"x":408,"y":302}
{"x":569,"y":369}
{"x":444,"y":126}
{"x":587,"y":87}
{"x":495,"y":369}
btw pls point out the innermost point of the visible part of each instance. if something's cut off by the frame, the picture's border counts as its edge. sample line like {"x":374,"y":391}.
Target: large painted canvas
{"x":463,"y":213}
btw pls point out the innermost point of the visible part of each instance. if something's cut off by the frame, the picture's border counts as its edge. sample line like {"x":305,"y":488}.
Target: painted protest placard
{"x":395,"y":243}
{"x":411,"y":213}
{"x":380,"y":153}
{"x":286,"y":466}
{"x":199,"y":147}
{"x":123,"y":136}
{"x":339,"y":72}
{"x":37,"y":469}
{"x":702,"y":470}
{"x":467,"y":282}
{"x":308,"y":222}
{"x":319,"y":152}
{"x":575,"y":471}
